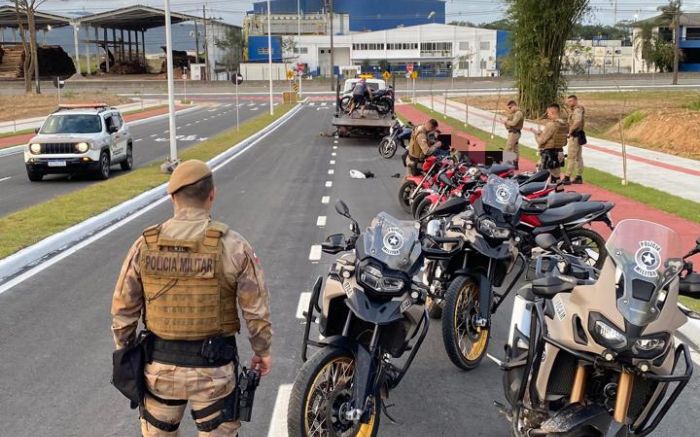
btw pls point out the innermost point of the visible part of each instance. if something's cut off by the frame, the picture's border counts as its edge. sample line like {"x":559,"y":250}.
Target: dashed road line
{"x":138,"y":139}
{"x":5,"y":178}
{"x":329,"y":184}
{"x":325,"y":200}
{"x":312,"y":104}
{"x":323,"y":103}
{"x":278,"y":423}
{"x":154,"y":135}
{"x":331,"y":171}
{"x":321,"y":221}
{"x":303,"y":305}
{"x":335,"y":147}
{"x":331,"y":162}
{"x":333,"y":154}
{"x":315,"y":252}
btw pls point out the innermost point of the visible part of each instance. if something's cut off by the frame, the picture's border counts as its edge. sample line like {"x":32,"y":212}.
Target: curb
{"x":16,"y":267}
{"x":7,"y":151}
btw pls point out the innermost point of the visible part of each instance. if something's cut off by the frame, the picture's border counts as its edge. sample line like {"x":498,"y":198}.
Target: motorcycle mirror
{"x":342,"y":209}
{"x":546,"y":241}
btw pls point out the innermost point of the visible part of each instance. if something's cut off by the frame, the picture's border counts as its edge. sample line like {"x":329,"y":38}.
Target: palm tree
{"x":671,"y":13}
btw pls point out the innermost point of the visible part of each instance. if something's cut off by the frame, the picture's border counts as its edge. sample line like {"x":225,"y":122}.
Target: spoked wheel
{"x":321,"y":396}
{"x":465,"y":343}
{"x":405,"y":191}
{"x":416,"y":201}
{"x":588,"y":245}
{"x":434,"y":308}
{"x":424,"y":207}
{"x":387,"y":148}
{"x":345,"y":103}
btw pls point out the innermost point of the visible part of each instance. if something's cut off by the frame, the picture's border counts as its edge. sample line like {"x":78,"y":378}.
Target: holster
{"x":128,"y":368}
{"x":581,"y":137}
{"x":552,"y":158}
{"x":244,"y":393}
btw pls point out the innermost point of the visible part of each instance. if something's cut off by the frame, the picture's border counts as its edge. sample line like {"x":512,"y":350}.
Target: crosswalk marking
{"x":278,"y":424}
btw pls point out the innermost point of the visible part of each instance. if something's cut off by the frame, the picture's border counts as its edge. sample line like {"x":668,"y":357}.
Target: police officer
{"x":577,"y":138}
{"x":551,"y":141}
{"x":419,"y":147}
{"x":188,"y":277}
{"x":514,"y":125}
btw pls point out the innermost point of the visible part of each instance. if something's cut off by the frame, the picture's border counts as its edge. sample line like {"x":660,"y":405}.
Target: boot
{"x":554,"y":180}
{"x":566,"y":180}
{"x":578,"y":180}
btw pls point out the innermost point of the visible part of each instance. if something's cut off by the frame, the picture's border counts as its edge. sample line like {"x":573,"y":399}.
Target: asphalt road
{"x":150,"y":143}
{"x":56,"y":343}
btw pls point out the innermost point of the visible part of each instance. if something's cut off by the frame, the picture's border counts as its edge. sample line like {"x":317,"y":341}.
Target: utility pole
{"x":269,"y":55}
{"x":196,"y":41}
{"x":299,"y":42}
{"x":206,"y":43}
{"x":676,"y":41}
{"x":171,"y":88}
{"x":330,"y":14}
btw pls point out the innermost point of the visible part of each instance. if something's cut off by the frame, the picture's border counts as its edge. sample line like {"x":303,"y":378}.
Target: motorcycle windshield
{"x":393,"y":242}
{"x":502,"y":195}
{"x":648,"y":256}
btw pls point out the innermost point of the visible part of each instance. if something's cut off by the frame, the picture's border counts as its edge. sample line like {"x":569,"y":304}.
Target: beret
{"x":188,"y":173}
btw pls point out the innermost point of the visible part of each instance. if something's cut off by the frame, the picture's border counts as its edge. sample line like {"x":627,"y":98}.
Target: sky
{"x":476,"y":11}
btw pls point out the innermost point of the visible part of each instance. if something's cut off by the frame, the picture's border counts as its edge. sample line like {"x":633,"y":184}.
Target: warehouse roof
{"x":137,"y":17}
{"x":8,"y":18}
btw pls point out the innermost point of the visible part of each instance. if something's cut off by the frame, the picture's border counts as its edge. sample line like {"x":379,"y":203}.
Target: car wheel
{"x":35,"y":176}
{"x":128,"y":163}
{"x":104,"y":168}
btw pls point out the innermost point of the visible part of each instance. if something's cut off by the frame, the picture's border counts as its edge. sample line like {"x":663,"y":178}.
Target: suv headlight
{"x":82,"y":147}
{"x":35,"y":148}
{"x":489,"y":228}
{"x":609,"y":336}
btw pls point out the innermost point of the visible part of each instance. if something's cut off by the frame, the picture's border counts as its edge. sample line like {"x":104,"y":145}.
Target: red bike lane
{"x":625,"y":208}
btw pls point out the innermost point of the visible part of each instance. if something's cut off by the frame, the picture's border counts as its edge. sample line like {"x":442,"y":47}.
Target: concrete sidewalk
{"x":672,"y":174}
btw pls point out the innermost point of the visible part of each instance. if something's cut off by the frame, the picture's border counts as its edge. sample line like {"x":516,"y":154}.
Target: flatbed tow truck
{"x":372,"y":124}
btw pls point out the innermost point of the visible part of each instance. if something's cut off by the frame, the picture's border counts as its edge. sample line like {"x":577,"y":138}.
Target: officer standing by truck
{"x":551,"y":141}
{"x":514,"y":125}
{"x":188,"y":277}
{"x":576,"y":141}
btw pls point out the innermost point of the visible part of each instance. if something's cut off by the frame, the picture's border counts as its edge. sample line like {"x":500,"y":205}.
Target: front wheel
{"x":424,"y":207}
{"x":465,"y":342}
{"x":320,"y":396}
{"x":588,"y":245}
{"x":104,"y":166}
{"x":387,"y":148}
{"x":35,"y":176}
{"x":345,"y":103}
{"x":405,"y":191}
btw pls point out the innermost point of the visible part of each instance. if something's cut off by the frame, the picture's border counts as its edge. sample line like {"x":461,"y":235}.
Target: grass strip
{"x":19,"y":132}
{"x":650,"y":196}
{"x":28,"y":226}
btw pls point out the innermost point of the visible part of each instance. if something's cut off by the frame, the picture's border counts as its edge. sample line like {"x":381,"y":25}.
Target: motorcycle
{"x":588,"y":357}
{"x":470,"y":251}
{"x":398,"y":135}
{"x":370,"y":312}
{"x":382,"y":102}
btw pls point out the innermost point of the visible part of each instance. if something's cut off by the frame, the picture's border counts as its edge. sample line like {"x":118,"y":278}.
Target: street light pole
{"x":330,"y":19}
{"x":298,"y":43}
{"x":171,"y":84}
{"x":269,"y":55}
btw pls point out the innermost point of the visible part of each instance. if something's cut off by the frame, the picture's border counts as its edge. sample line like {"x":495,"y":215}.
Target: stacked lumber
{"x":11,"y":62}
{"x":53,"y":61}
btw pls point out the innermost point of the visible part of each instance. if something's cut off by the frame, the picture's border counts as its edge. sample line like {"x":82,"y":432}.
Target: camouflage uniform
{"x":574,"y":167}
{"x":514,"y":123}
{"x":202,"y":386}
{"x":418,"y":149}
{"x":552,"y":139}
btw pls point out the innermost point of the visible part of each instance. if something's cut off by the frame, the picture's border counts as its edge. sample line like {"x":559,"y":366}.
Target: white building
{"x":434,"y":49}
{"x":600,"y":57}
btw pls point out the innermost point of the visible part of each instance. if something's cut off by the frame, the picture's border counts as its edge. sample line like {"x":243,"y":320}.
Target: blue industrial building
{"x":366,"y":15}
{"x":257,"y":49}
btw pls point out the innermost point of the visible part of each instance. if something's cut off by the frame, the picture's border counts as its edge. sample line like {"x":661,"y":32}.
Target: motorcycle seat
{"x":550,"y":286}
{"x":570,"y":212}
{"x":556,"y":200}
{"x":499,"y":168}
{"x":532,"y":187}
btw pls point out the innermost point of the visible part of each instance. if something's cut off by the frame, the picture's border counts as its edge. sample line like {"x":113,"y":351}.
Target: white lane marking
{"x":335,"y":147}
{"x":154,"y":135}
{"x":211,"y":110}
{"x":315,"y":252}
{"x":333,"y":154}
{"x":318,"y":109}
{"x":228,"y":106}
{"x":303,"y":305}
{"x":332,"y":162}
{"x":335,"y":142}
{"x":251,"y":104}
{"x":276,"y":103}
{"x":254,"y":109}
{"x":325,"y":200}
{"x":329,"y":184}
{"x":166,"y":131}
{"x":331,"y":171}
{"x":138,"y":139}
{"x":323,"y":103}
{"x":312,"y":104}
{"x":188,"y":125}
{"x":5,"y":178}
{"x":321,"y":221}
{"x":196,"y":122}
{"x":278,"y":423}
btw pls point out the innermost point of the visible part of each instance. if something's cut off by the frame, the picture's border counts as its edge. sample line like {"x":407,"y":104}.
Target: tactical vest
{"x":558,"y":140}
{"x":414,"y":149}
{"x":182,"y":283}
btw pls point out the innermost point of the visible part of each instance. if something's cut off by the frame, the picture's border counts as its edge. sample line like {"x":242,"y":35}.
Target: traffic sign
{"x":237,"y":79}
{"x":300,"y":68}
{"x":409,"y":68}
{"x":414,"y":75}
{"x":58,"y":83}
{"x":386,"y":75}
{"x":290,"y":74}
{"x":184,"y":76}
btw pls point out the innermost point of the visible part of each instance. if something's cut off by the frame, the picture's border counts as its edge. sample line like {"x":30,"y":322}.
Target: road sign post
{"x":237,"y":79}
{"x":59,"y":84}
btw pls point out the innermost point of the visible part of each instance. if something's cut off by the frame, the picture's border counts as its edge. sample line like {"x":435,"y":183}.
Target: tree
{"x":671,"y":13}
{"x":539,"y":35}
{"x":234,"y":45}
{"x":645,"y":43}
{"x":25,"y":9}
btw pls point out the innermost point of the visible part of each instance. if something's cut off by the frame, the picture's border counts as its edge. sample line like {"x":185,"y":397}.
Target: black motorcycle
{"x":398,"y":135}
{"x":369,"y":312}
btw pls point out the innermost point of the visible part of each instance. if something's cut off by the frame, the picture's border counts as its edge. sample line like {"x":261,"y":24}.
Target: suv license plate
{"x":57,"y":163}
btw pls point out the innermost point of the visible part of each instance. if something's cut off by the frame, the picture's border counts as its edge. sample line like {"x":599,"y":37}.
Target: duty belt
{"x":514,"y":131}
{"x":211,"y":352}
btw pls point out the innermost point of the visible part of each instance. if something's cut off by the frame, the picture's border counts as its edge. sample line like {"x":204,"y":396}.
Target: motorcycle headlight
{"x":35,"y":148}
{"x":372,"y":277}
{"x":650,"y":344}
{"x":391,"y":284}
{"x":82,"y":147}
{"x":434,"y":227}
{"x":609,"y":336}
{"x":489,"y":228}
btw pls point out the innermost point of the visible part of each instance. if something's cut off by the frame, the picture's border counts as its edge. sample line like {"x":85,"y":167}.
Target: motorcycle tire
{"x":416,"y":201}
{"x":461,"y":305}
{"x":310,"y":387}
{"x":345,"y":103}
{"x":423,"y":208}
{"x":387,"y":148}
{"x":583,"y":240}
{"x":434,"y":309}
{"x":405,"y":191}
{"x":383,"y":106}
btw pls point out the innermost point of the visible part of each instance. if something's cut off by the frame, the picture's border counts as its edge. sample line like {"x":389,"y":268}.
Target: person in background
{"x":419,"y":148}
{"x":551,"y":141}
{"x":360,"y":93}
{"x":514,"y":125}
{"x":576,"y":140}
